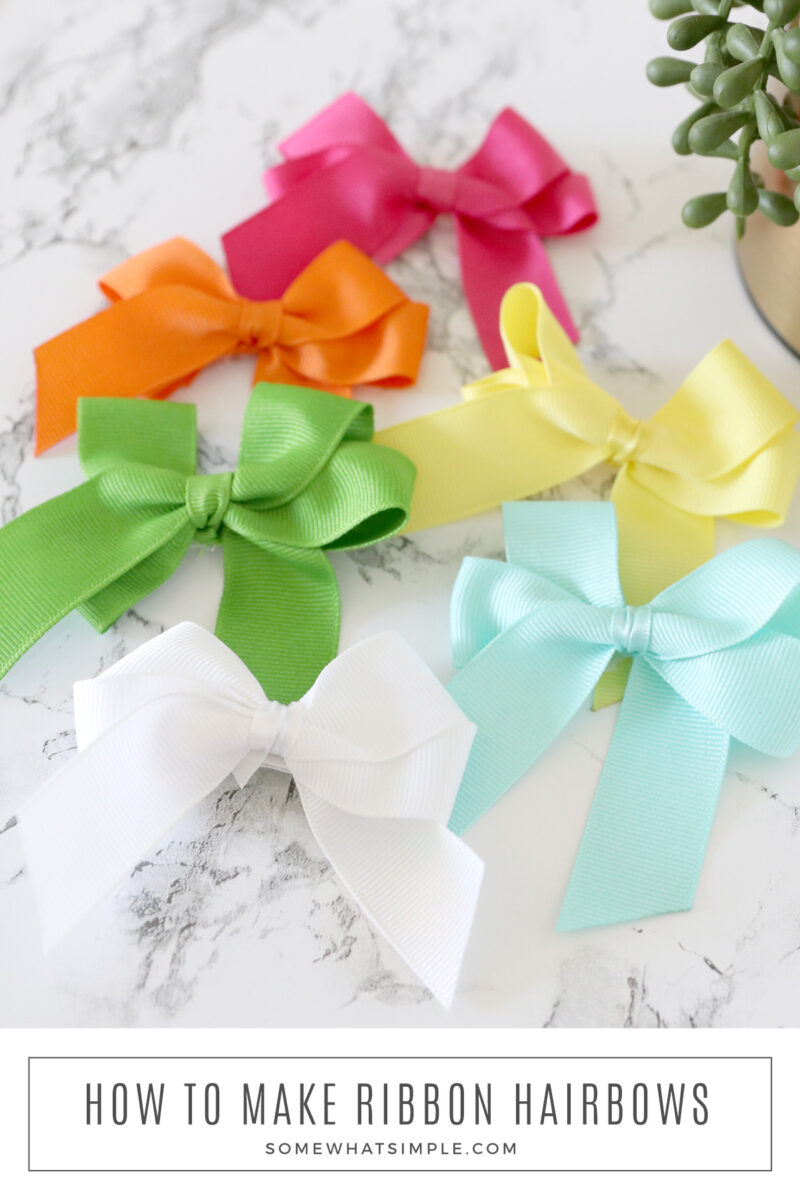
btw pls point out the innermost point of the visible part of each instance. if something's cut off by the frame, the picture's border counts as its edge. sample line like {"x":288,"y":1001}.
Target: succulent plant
{"x":735,"y":106}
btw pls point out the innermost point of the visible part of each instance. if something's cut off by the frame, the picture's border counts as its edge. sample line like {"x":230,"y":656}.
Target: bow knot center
{"x":274,"y":728}
{"x":207,"y":500}
{"x":438,"y":188}
{"x":623,"y":439}
{"x":630,"y":628}
{"x":259,"y":323}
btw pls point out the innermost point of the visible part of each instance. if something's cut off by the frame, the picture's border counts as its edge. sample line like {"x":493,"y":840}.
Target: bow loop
{"x":515,"y":155}
{"x":723,"y":445}
{"x":340,"y":322}
{"x":715,"y":656}
{"x":175,"y":263}
{"x":347,"y":176}
{"x":377,"y":749}
{"x":308,"y":480}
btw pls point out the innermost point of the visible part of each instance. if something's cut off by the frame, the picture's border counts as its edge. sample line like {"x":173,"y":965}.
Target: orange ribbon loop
{"x":174,"y":311}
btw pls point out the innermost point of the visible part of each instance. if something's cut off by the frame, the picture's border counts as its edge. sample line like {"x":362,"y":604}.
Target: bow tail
{"x":515,"y":721}
{"x":646,"y":834}
{"x":279,"y":612}
{"x":343,"y":200}
{"x":145,"y":346}
{"x":108,"y":604}
{"x":62,"y":555}
{"x":415,"y":881}
{"x":100,"y":815}
{"x":647,"y":564}
{"x":491,"y":261}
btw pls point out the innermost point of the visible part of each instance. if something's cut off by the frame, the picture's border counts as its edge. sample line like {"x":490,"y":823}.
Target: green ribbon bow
{"x":308,"y":480}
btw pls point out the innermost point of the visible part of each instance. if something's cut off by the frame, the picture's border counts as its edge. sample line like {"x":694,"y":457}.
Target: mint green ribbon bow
{"x":716,"y":656}
{"x":308,"y":480}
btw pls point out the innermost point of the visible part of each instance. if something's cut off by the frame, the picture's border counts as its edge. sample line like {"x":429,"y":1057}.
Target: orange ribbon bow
{"x":174,"y":311}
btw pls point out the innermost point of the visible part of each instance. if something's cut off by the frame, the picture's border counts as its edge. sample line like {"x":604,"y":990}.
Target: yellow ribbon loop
{"x":723,"y":446}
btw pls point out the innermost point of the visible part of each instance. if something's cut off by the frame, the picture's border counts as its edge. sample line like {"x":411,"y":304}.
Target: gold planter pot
{"x":769,"y":260}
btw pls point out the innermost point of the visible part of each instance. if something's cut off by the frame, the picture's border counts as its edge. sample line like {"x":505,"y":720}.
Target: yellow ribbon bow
{"x":723,"y":445}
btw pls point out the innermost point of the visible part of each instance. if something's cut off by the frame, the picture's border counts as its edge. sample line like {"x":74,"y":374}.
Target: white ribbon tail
{"x":99,"y":816}
{"x":415,"y":880}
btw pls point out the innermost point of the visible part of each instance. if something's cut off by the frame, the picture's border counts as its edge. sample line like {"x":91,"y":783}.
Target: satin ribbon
{"x":346,"y":175}
{"x":715,"y":656}
{"x":308,"y":480}
{"x":723,"y":445}
{"x":376,"y":747}
{"x":340,"y":322}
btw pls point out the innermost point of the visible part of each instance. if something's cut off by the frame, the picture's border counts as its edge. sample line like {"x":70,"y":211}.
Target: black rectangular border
{"x":401,"y":1170}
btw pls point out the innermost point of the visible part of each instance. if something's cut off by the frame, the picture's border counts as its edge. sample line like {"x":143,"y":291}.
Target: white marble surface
{"x":124,"y":124}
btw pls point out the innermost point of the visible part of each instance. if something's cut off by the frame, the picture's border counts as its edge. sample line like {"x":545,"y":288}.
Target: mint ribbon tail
{"x":279,"y":612}
{"x":516,"y":722}
{"x":645,"y":838}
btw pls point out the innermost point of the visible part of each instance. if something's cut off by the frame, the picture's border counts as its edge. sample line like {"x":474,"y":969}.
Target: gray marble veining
{"x":124,"y":124}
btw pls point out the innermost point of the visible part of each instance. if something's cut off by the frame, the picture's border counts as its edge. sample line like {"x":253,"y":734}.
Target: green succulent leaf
{"x":742,"y":194}
{"x":784,"y":150}
{"x":702,"y":210}
{"x":742,"y":42}
{"x":737,"y":60}
{"x":688,"y":31}
{"x":680,"y":136}
{"x":769,"y":115}
{"x":665,"y":10}
{"x":777,"y":207}
{"x":709,"y":132}
{"x":716,"y":51}
{"x":666,"y":71}
{"x":791,"y":45}
{"x":703,"y":76}
{"x":781,"y":12}
{"x":727,"y":149}
{"x":789,"y":71}
{"x":733,"y":85}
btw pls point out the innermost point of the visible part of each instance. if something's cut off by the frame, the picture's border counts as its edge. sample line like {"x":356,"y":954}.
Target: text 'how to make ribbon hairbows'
{"x":377,"y":749}
{"x":347,"y":176}
{"x":308,"y":480}
{"x":339,"y":323}
{"x":716,"y":657}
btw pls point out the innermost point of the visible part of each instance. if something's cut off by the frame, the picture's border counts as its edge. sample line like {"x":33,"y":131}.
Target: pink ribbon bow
{"x":347,"y":176}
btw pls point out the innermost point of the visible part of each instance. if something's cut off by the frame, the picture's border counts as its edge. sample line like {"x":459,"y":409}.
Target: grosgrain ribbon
{"x":341,"y":322}
{"x":377,"y":749}
{"x":308,"y":480}
{"x":723,"y":445}
{"x":348,"y":176}
{"x":715,"y":656}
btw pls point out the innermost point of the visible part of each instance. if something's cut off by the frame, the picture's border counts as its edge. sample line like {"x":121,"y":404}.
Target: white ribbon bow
{"x":377,"y":749}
